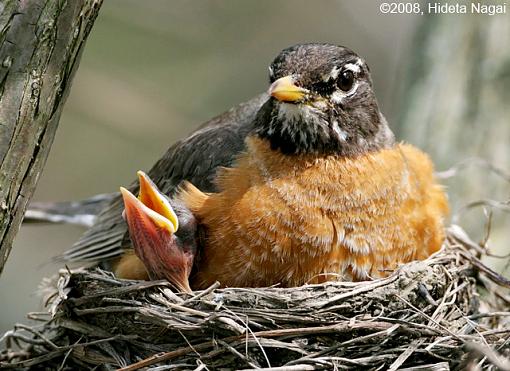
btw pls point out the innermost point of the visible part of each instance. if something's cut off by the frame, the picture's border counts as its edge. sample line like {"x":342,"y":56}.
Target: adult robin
{"x":302,"y":185}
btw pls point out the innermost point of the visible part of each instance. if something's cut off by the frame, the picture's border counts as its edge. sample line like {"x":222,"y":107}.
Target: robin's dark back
{"x":195,"y":158}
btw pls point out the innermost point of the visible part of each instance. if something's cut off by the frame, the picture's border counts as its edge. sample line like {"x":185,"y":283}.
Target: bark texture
{"x":40,"y":47}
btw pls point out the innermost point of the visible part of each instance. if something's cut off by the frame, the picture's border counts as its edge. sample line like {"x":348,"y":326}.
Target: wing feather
{"x":214,"y":144}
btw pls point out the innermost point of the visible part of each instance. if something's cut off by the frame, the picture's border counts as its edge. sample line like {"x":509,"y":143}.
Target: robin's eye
{"x":346,"y":80}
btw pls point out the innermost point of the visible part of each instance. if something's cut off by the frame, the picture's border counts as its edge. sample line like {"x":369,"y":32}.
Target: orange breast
{"x":290,"y":220}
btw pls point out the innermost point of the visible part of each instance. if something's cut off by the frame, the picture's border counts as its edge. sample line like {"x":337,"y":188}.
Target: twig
{"x":422,"y":314}
{"x":492,"y":357}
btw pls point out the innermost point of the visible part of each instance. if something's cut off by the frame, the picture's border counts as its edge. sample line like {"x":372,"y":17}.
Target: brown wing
{"x":195,"y":158}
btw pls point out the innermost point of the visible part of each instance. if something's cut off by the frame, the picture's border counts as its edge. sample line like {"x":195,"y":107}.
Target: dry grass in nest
{"x":448,"y":312}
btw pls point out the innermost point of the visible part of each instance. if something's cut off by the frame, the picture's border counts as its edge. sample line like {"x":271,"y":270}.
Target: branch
{"x":41,"y":42}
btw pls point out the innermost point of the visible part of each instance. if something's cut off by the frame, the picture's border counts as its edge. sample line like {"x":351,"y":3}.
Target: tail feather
{"x":82,"y":212}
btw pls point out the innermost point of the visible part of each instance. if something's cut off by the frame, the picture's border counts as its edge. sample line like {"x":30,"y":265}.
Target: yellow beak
{"x":151,"y":197}
{"x":150,"y":205}
{"x":284,"y":90}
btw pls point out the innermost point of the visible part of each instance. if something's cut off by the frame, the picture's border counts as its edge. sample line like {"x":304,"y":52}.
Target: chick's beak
{"x":151,"y":197}
{"x":285,"y":90}
{"x":135,"y":210}
{"x":152,"y":224}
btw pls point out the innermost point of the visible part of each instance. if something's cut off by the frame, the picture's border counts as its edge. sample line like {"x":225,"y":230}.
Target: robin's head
{"x":322,"y":102}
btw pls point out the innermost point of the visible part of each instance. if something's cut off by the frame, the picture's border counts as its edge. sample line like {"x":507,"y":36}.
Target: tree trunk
{"x":455,"y":105}
{"x":40,"y":47}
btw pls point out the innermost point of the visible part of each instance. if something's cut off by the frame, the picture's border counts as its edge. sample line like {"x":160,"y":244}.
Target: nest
{"x":447,"y":312}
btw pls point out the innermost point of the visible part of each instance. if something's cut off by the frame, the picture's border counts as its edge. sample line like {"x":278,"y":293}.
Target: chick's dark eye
{"x":346,"y":80}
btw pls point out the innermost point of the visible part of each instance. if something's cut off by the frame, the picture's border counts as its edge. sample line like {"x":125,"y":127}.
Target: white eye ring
{"x":354,"y":67}
{"x":339,"y":95}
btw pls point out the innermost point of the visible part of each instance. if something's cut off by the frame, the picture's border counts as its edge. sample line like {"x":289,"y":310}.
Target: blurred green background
{"x":152,"y":71}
